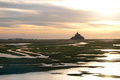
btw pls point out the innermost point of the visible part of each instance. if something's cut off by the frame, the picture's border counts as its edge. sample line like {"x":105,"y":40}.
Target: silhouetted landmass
{"x":77,"y":36}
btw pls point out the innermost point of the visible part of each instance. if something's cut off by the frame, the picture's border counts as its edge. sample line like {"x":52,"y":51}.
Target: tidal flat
{"x":66,"y":59}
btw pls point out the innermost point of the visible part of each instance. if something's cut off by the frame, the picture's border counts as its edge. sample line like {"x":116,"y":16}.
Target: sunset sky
{"x":59,"y":19}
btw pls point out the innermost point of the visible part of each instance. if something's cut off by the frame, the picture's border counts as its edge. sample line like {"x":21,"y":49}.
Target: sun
{"x":101,"y":6}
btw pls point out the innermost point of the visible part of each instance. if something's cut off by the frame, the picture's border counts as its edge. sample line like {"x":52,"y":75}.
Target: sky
{"x":59,"y":19}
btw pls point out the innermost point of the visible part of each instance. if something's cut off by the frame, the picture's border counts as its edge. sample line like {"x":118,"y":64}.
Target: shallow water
{"x":108,"y":50}
{"x":21,"y":52}
{"x":116,"y":44}
{"x":110,"y":69}
{"x":13,"y":56}
{"x":18,"y":44}
{"x":79,"y":44}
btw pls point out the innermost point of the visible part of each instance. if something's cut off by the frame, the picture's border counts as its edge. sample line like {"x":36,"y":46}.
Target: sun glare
{"x":107,"y":22}
{"x":110,"y":68}
{"x":102,"y":6}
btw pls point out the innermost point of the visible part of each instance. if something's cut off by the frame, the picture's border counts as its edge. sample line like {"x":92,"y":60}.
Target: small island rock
{"x":77,"y":37}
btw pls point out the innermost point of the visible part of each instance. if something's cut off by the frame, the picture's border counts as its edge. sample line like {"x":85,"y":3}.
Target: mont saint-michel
{"x":77,"y":37}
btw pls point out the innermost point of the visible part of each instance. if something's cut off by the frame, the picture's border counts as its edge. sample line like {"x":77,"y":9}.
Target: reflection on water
{"x":108,"y":49}
{"x":1,"y":66}
{"x":13,"y":56}
{"x":116,"y":44}
{"x":111,"y":56}
{"x":18,"y":44}
{"x":110,"y":68}
{"x":109,"y":71}
{"x":79,"y":44}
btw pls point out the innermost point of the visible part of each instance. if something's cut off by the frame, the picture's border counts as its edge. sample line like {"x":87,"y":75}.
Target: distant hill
{"x":77,"y":36}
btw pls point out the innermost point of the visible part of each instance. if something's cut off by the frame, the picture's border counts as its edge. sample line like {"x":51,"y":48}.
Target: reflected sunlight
{"x":110,"y":68}
{"x":109,"y":56}
{"x":113,"y":56}
{"x":109,"y":50}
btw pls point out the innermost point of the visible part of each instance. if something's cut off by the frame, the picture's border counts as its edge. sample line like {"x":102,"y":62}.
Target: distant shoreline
{"x":55,"y":41}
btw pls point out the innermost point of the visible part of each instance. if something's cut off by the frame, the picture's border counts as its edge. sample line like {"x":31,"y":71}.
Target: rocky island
{"x":77,"y":37}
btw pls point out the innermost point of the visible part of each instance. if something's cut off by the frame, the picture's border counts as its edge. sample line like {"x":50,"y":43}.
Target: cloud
{"x":47,"y":15}
{"x":42,"y":15}
{"x":19,"y":10}
{"x":29,"y":1}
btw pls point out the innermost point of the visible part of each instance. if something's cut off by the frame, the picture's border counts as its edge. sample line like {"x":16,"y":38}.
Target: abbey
{"x":77,"y":36}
